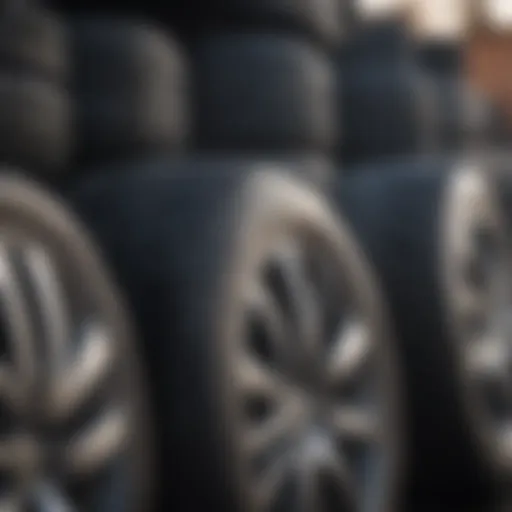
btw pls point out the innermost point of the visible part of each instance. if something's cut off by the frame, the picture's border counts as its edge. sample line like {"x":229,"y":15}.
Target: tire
{"x":408,"y":217}
{"x":377,"y":40}
{"x":498,"y":128}
{"x":465,"y":116}
{"x":74,"y":406}
{"x":445,"y":60}
{"x":131,"y":89}
{"x":34,"y":43}
{"x":263,"y":93}
{"x":191,"y":249}
{"x":315,"y":168}
{"x":385,"y":111}
{"x":318,"y":20}
{"x":35,"y":125}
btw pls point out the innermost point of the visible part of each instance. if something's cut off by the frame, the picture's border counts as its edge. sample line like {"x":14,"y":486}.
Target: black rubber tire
{"x":313,"y":167}
{"x":377,"y":40}
{"x":174,"y":238}
{"x":131,"y":89}
{"x":263,"y":92}
{"x":399,"y":213}
{"x":319,"y":20}
{"x":498,"y":129}
{"x":385,"y":109}
{"x":465,"y":116}
{"x":28,"y":213}
{"x":445,"y":60}
{"x":34,"y":42}
{"x":35,"y":125}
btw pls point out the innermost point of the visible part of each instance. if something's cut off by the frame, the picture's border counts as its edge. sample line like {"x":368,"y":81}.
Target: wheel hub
{"x":479,"y":273}
{"x":312,"y":444}
{"x":59,"y":426}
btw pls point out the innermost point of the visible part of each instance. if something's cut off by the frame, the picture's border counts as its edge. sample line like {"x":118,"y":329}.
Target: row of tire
{"x":234,"y":342}
{"x":101,"y":86}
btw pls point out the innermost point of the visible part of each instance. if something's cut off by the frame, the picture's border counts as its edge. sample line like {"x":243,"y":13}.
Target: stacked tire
{"x":426,"y":224}
{"x":386,"y":104}
{"x":236,"y":270}
{"x":73,"y":411}
{"x":419,"y":218}
{"x":36,"y":114}
{"x":265,"y":84}
{"x":289,"y":352}
{"x":131,"y":91}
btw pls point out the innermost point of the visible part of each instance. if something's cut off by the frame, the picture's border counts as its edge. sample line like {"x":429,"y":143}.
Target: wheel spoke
{"x":356,"y":424}
{"x":17,"y":452}
{"x":51,"y":301}
{"x":258,"y":380}
{"x":10,"y":394}
{"x":303,"y":299}
{"x":49,"y":498}
{"x":272,"y":481}
{"x":11,"y":502}
{"x":18,"y":321}
{"x":278,"y":427}
{"x":349,"y":352}
{"x":307,"y":474}
{"x":99,"y":444}
{"x":487,"y":358}
{"x":335,"y":471}
{"x":505,"y":439}
{"x":318,"y":460}
{"x":264,"y":309}
{"x":91,"y":364}
{"x":472,"y":306}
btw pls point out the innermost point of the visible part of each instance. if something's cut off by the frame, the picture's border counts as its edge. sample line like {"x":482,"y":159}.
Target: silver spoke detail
{"x":256,"y":379}
{"x":487,"y":358}
{"x":318,"y":457}
{"x":354,"y":423}
{"x":471,"y":304}
{"x":313,"y":454}
{"x":349,"y":352}
{"x":18,"y":452}
{"x":51,"y":301}
{"x":10,"y":393}
{"x":264,"y":307}
{"x":49,"y":498}
{"x":272,"y":480}
{"x":18,"y":322}
{"x":98,"y":444}
{"x":304,"y":299}
{"x":11,"y":502}
{"x":278,"y":427}
{"x":505,"y":440}
{"x":90,"y":367}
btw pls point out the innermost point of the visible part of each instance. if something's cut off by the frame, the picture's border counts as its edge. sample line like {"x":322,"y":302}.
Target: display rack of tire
{"x":229,"y":225}
{"x":74,"y":410}
{"x":230,"y":336}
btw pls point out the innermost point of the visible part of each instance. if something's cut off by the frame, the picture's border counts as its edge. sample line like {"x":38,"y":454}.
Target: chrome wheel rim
{"x":65,"y":417}
{"x":307,"y":388}
{"x":479,"y":275}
